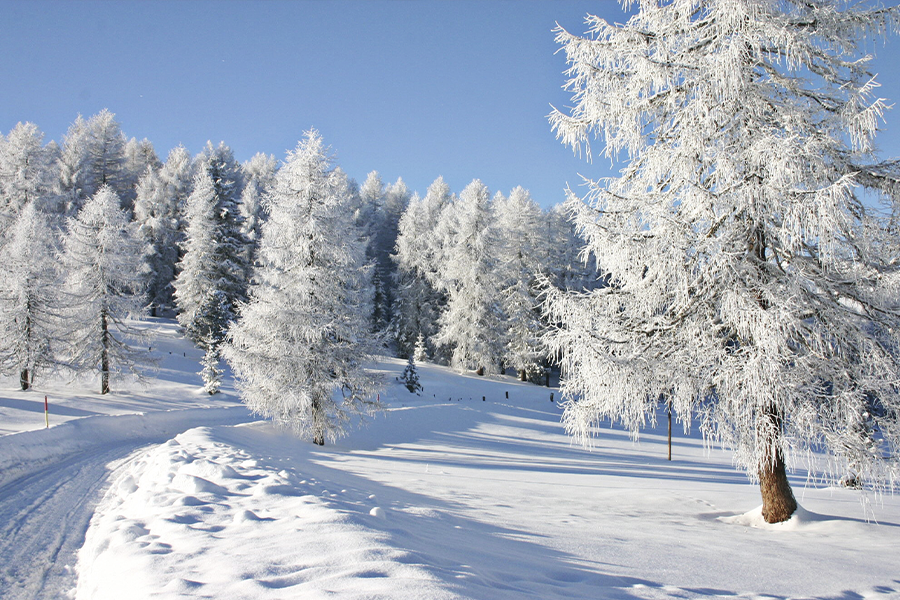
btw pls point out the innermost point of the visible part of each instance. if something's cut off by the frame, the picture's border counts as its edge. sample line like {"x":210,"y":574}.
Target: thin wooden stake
{"x":46,"y":412}
{"x":669,"y":410}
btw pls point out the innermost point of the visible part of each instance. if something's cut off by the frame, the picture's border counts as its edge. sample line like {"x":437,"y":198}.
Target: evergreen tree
{"x":29,"y":297}
{"x":27,"y":173}
{"x":197,"y":275}
{"x":104,"y":263}
{"x":158,"y":211}
{"x":298,"y":349}
{"x":259,"y":172}
{"x":520,"y":221}
{"x":418,"y":302}
{"x":472,"y":322}
{"x":138,"y":158}
{"x":749,"y":283}
{"x":93,"y":155}
{"x":410,"y":377}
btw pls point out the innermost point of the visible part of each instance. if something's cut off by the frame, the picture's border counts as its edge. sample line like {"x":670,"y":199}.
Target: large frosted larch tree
{"x":298,"y":348}
{"x":105,"y":274}
{"x":471,"y":325}
{"x":29,"y":297}
{"x":749,"y":283}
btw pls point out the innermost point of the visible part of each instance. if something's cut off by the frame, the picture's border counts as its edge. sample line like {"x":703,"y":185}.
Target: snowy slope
{"x":446,"y":496}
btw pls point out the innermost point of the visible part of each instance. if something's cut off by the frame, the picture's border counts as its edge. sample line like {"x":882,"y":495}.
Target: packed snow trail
{"x":45,"y":510}
{"x":44,"y":517}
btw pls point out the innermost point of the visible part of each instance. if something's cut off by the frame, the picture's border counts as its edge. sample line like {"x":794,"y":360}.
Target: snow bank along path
{"x":52,"y":480}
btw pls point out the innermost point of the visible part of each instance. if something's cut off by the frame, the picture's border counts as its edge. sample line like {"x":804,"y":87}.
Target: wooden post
{"x":669,"y":410}
{"x":46,"y":412}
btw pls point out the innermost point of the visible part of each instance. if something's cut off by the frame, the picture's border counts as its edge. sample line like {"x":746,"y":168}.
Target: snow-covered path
{"x":45,"y":512}
{"x":43,"y":519}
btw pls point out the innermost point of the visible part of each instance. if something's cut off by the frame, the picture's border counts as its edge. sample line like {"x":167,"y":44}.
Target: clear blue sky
{"x":408,"y":88}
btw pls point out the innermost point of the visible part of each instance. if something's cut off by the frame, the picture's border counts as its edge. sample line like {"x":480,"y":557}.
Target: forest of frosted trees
{"x":98,"y":230}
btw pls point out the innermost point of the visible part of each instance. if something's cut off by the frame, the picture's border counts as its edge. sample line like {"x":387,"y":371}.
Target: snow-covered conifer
{"x":105,"y":274}
{"x":138,"y":158}
{"x":196,"y":280}
{"x":471,"y":325}
{"x":410,"y":376}
{"x":300,"y":343}
{"x":29,"y":297}
{"x":259,"y":172}
{"x":418,"y":301}
{"x":520,"y":222}
{"x":749,"y":283}
{"x":232,"y":264}
{"x":27,"y":173}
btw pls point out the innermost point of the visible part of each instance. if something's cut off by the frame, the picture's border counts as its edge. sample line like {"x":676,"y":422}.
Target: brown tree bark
{"x":778,"y":498}
{"x":318,"y":427}
{"x":104,"y":354}
{"x":23,"y":379}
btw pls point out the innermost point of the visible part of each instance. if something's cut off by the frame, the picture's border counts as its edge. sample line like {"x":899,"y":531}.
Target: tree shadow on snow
{"x":470,"y":558}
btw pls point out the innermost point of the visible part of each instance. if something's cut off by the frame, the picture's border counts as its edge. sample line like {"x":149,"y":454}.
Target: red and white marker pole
{"x":47,"y":412}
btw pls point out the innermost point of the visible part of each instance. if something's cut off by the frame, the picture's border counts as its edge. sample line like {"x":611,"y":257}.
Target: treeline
{"x":98,"y":230}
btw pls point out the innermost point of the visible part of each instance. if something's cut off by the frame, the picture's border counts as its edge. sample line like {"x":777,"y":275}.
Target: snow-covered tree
{"x":471,"y":325}
{"x":138,"y":158}
{"x":29,"y":297}
{"x":410,"y":377}
{"x":520,"y":223}
{"x":93,"y":155}
{"x":215,"y":257}
{"x":157,"y":213}
{"x":210,"y":326}
{"x":197,"y":276}
{"x":105,"y":274}
{"x":27,"y":173}
{"x":749,"y":283}
{"x":298,"y":349}
{"x":418,"y":301}
{"x":259,"y":172}
{"x":231,"y":244}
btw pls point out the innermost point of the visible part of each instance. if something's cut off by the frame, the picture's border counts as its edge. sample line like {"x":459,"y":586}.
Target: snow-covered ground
{"x":164,"y":492}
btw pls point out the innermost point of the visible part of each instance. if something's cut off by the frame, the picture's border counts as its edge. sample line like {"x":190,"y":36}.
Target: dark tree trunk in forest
{"x":778,"y":499}
{"x":318,"y":426}
{"x":480,"y":371}
{"x":104,"y":354}
{"x":523,"y":376}
{"x":23,"y":379}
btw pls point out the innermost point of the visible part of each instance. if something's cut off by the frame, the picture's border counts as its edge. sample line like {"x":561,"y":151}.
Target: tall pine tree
{"x":299,"y":347}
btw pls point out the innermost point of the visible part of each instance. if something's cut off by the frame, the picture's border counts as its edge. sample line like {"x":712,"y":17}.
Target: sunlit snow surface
{"x":445,"y":495}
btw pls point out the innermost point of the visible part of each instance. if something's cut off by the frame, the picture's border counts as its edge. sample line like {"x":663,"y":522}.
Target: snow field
{"x":449,"y":496}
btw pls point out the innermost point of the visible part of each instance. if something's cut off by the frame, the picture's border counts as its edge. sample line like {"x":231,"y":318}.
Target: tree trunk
{"x":523,"y":376}
{"x":778,"y":499}
{"x":480,"y":371}
{"x":104,"y":354}
{"x":23,"y":379}
{"x":318,"y":425}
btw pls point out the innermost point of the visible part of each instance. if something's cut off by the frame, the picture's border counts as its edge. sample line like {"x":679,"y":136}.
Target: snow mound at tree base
{"x":204,"y":516}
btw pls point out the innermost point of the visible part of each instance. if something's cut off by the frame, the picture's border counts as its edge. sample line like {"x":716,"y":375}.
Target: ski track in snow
{"x":44,"y":517}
